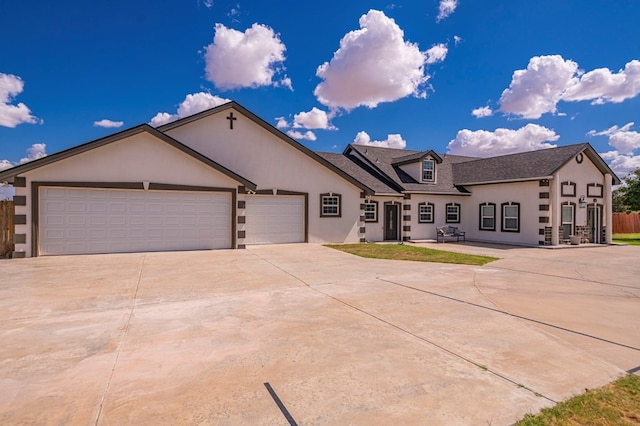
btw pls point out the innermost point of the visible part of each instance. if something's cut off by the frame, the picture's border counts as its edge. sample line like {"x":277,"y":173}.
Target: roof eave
{"x":490,"y":182}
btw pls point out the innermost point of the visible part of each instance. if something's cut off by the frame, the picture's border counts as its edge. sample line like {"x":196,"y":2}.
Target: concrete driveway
{"x":278,"y":335}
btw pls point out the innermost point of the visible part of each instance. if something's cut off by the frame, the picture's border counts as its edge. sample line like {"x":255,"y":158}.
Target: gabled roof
{"x":11,"y":173}
{"x":381,"y":160}
{"x":359,"y":170}
{"x":270,"y":128}
{"x":532,"y":165}
{"x":415,"y":157}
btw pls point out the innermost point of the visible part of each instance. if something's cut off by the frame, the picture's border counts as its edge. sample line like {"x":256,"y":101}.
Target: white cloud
{"x":37,"y":150}
{"x":6,"y":193}
{"x":436,"y":54}
{"x":446,"y":8}
{"x":308,"y":135}
{"x":623,"y":139}
{"x":550,"y":79}
{"x":238,"y":59}
{"x":392,"y":141}
{"x":5,"y":164}
{"x":282,"y":123}
{"x":457,"y":40}
{"x":483,"y":143}
{"x":108,"y":123}
{"x":480,"y":112}
{"x":192,"y":104}
{"x":601,"y":85}
{"x":537,"y":89}
{"x":622,"y":164}
{"x":373,"y":64}
{"x":12,"y":115}
{"x":314,"y":119}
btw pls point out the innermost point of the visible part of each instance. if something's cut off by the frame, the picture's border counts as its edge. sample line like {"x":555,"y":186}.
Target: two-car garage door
{"x":79,"y":221}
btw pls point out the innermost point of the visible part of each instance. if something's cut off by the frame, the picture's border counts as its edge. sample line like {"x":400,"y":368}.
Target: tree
{"x":629,"y":193}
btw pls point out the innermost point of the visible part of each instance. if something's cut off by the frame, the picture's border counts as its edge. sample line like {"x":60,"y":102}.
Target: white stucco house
{"x":225,"y":178}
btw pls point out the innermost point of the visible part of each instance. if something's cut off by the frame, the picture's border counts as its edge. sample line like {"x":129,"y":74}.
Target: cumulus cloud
{"x":480,"y":112}
{"x":601,"y":85}
{"x":5,"y":164}
{"x":483,"y":143}
{"x":457,"y":40}
{"x":436,"y":54}
{"x":537,"y":89}
{"x":622,"y":164}
{"x":446,"y":8}
{"x":108,"y":123}
{"x":192,"y":104}
{"x":623,"y":139}
{"x":282,"y":123}
{"x":392,"y":141}
{"x":12,"y":115}
{"x":308,"y":135}
{"x":238,"y":59}
{"x":37,"y":150}
{"x":314,"y":119}
{"x":373,"y":65}
{"x":548,"y":80}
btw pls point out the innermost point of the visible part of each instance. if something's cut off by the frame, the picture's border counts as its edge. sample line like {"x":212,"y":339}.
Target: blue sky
{"x":468,"y":77}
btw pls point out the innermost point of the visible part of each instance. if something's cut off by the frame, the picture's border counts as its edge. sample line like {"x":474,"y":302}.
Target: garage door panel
{"x":75,"y":221}
{"x":274,"y":219}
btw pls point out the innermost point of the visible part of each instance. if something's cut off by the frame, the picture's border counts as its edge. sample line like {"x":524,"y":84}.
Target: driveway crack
{"x":123,"y":337}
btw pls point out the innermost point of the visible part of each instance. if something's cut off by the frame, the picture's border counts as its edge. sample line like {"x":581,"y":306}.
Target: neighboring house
{"x":225,"y":178}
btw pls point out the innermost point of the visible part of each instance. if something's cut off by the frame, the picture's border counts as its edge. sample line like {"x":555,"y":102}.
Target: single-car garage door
{"x":274,"y":219}
{"x":80,"y":221}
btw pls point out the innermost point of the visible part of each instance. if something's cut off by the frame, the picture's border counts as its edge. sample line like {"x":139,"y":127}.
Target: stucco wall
{"x":138,"y":158}
{"x":581,"y":174}
{"x":525,"y":193}
{"x":427,"y":231}
{"x":271,"y":163}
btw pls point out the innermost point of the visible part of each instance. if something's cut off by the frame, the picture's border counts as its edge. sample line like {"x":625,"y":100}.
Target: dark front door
{"x":391,"y":231}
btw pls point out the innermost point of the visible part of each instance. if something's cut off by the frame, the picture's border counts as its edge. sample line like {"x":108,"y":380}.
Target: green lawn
{"x":631,"y":239}
{"x":408,"y":252}
{"x":617,"y":403}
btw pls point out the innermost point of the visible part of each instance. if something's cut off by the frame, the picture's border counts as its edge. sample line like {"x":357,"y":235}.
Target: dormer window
{"x":428,"y":170}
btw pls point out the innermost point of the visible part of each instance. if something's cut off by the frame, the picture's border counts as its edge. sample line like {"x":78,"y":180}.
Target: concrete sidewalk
{"x":192,"y":337}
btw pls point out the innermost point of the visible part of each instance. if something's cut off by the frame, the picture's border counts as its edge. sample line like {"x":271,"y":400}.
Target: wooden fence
{"x":7,"y":211}
{"x":626,"y":223}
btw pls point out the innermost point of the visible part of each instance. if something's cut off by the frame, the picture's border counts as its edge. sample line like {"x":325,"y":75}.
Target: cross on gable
{"x":231,"y":119}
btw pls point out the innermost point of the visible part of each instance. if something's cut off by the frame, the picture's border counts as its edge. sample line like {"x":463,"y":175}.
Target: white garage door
{"x":273,"y":219}
{"x":78,"y":221}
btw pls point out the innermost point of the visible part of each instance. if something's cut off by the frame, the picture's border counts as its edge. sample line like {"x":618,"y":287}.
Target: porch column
{"x":556,"y":216}
{"x":608,"y":207}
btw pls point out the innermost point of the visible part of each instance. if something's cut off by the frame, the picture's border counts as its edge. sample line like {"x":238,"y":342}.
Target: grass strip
{"x":617,"y":403}
{"x":408,"y":252}
{"x":631,"y":239}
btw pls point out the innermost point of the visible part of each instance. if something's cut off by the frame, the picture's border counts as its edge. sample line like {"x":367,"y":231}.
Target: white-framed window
{"x":425,"y":212}
{"x":488,"y":217}
{"x":452,"y":213}
{"x":510,"y":217}
{"x":330,"y":205}
{"x":428,"y":170}
{"x":371,"y":211}
{"x":568,"y":215}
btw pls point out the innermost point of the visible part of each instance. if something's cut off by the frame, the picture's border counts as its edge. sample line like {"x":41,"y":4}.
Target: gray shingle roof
{"x":516,"y":167}
{"x":383,"y":159}
{"x":358,"y":170}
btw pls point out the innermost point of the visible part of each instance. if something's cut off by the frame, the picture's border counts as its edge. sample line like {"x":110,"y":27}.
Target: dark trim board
{"x":35,"y":200}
